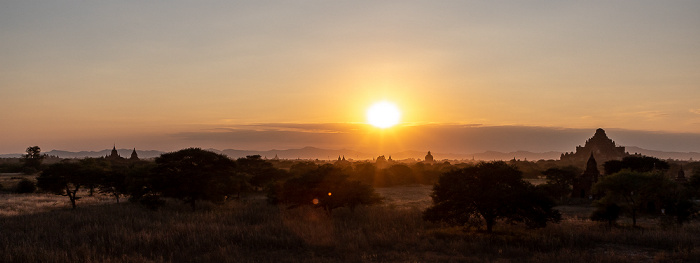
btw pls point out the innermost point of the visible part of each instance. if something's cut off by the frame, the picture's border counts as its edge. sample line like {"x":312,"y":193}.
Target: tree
{"x":326,"y":186}
{"x":560,"y":180}
{"x":260,"y":172}
{"x":32,"y":160}
{"x":194,"y":174}
{"x":64,"y":178}
{"x":632,"y":191}
{"x":492,"y":191}
{"x":636,"y":163}
{"x":95,"y":170}
{"x":122,"y":176}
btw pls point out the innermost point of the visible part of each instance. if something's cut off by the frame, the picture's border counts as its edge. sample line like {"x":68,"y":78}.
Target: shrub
{"x":606,"y":212}
{"x":25,"y":186}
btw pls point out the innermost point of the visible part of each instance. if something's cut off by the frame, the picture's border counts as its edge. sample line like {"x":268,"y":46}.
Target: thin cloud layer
{"x":448,"y":138}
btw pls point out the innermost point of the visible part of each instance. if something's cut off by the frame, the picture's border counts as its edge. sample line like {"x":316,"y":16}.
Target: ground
{"x":43,"y":228}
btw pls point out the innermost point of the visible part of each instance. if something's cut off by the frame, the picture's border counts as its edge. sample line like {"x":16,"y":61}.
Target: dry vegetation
{"x":252,"y":231}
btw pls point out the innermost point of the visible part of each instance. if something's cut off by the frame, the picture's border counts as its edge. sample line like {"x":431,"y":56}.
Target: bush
{"x":25,"y":186}
{"x":606,"y":212}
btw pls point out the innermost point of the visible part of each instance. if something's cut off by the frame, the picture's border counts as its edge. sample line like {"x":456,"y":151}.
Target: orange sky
{"x":83,"y":75}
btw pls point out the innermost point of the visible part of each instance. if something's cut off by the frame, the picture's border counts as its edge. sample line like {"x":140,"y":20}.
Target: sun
{"x":383,"y":114}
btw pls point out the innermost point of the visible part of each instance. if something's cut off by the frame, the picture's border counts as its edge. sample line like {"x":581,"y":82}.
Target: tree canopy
{"x":635,"y":163}
{"x":492,"y":191}
{"x":33,"y":158}
{"x":194,"y":174}
{"x":64,"y":178}
{"x":325,"y":186}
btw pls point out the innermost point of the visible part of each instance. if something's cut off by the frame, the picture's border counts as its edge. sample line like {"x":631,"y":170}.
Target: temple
{"x":114,"y":155}
{"x":680,"y":178}
{"x":584,"y":182}
{"x":429,"y":157}
{"x":602,"y":147}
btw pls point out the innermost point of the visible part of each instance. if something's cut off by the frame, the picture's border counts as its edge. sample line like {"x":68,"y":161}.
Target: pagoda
{"x":599,"y":145}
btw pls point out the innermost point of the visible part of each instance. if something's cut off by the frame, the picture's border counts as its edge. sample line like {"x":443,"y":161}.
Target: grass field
{"x":252,"y":231}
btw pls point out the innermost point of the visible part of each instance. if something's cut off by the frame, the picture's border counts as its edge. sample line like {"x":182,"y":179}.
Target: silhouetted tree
{"x":301,"y":168}
{"x":677,"y":200}
{"x":326,"y":186}
{"x":139,"y":185}
{"x":95,"y":170}
{"x":364,"y":172}
{"x":613,"y":166}
{"x":32,"y":160}
{"x":122,"y":176}
{"x":693,"y":184}
{"x":631,"y":190}
{"x":636,"y":163}
{"x":261,"y":173}
{"x":194,"y":174}
{"x":64,"y":178}
{"x":492,"y":191}
{"x":398,"y":174}
{"x":560,"y":181}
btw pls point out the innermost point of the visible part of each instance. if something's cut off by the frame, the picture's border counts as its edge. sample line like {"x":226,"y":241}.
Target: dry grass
{"x":252,"y":231}
{"x":9,"y":181}
{"x":412,"y":196}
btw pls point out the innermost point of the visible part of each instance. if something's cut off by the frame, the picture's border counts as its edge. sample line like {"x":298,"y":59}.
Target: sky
{"x":85,"y":75}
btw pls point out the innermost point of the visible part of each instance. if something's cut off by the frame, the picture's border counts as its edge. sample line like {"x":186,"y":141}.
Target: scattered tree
{"x":64,"y":178}
{"x":32,"y":160}
{"x":636,"y":163}
{"x":325,"y":186}
{"x":632,"y":191}
{"x":492,"y":191}
{"x":261,"y":173}
{"x":560,"y":181}
{"x":194,"y":174}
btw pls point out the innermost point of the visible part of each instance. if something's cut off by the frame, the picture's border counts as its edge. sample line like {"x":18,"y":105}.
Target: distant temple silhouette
{"x":429,"y":157}
{"x":600,"y":146}
{"x":681,"y":176}
{"x":584,"y":182}
{"x":114,"y":155}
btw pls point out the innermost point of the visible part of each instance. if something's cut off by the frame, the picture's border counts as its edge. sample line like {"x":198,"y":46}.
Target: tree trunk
{"x":489,"y":224}
{"x":71,"y":196}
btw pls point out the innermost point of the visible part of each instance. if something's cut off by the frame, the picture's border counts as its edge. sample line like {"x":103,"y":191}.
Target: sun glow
{"x":383,"y":114}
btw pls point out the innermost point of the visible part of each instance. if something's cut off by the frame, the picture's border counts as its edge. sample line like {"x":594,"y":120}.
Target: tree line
{"x":470,"y":195}
{"x":193,"y":175}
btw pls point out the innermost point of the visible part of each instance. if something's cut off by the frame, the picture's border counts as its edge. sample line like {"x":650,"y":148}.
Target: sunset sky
{"x":84,"y":75}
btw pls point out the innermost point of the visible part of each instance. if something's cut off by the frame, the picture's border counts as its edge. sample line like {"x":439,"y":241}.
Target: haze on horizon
{"x":522,"y":75}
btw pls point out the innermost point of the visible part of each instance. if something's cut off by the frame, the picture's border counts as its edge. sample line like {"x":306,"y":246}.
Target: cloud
{"x":446,"y":138}
{"x":454,"y":138}
{"x":696,"y":111}
{"x":651,"y":114}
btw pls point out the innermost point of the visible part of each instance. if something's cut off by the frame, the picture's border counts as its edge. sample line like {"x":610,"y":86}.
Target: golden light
{"x":329,"y":194}
{"x":315,"y":201}
{"x":383,"y":114}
